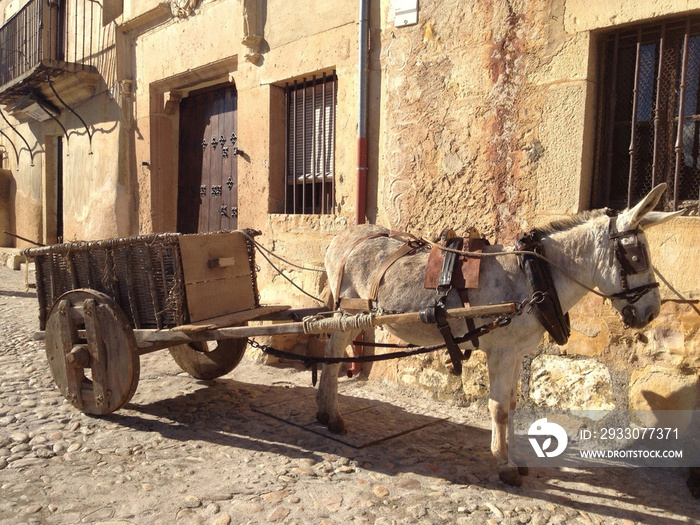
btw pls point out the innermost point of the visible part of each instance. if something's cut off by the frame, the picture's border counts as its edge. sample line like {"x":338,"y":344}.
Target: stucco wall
{"x":97,"y":191}
{"x":483,"y":114}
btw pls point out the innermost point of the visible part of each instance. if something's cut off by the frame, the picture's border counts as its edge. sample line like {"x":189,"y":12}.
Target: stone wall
{"x":489,"y":120}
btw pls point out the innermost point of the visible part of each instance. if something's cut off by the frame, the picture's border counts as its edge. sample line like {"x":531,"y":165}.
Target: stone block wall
{"x":490,"y":121}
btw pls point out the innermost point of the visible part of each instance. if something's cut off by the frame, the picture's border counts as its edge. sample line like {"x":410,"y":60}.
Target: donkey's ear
{"x":654,"y":218}
{"x":632,"y":218}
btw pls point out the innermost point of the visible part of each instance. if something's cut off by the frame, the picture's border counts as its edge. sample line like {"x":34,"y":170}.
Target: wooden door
{"x":207,"y":176}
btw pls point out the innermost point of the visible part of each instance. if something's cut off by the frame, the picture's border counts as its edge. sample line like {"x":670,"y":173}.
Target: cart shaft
{"x":163,"y":338}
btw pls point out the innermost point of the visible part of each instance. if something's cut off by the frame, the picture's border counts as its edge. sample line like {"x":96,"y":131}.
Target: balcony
{"x":49,"y":47}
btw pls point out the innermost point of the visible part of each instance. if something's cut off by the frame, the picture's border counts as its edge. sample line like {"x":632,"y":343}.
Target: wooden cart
{"x":103,"y":304}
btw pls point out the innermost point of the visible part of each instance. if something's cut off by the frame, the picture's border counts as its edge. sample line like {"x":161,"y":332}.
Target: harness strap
{"x":405,"y":249}
{"x":411,"y":244}
{"x":448,"y":264}
{"x":436,"y":314}
{"x":345,"y":260}
{"x":549,"y":311}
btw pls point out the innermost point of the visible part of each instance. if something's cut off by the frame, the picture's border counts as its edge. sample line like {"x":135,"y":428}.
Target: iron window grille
{"x":310,"y":145}
{"x":650,"y":115}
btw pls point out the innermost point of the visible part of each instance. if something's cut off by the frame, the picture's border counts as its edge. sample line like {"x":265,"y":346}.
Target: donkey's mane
{"x":560,"y":225}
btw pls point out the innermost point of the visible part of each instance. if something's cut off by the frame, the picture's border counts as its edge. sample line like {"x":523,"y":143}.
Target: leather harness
{"x":539,"y":279}
{"x":409,"y":247}
{"x":631,"y":259}
{"x":442,"y":281}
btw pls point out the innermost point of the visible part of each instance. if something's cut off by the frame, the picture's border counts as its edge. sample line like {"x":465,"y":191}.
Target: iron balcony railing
{"x":49,"y":34}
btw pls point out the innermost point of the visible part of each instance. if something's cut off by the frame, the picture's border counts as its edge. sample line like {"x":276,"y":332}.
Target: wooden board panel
{"x":198,"y":250}
{"x":207,"y":299}
{"x":230,"y":319}
{"x":218,"y":290}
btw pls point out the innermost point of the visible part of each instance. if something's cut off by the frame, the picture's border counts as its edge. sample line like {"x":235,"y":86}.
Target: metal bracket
{"x":13,"y":146}
{"x":65,"y":131}
{"x":234,"y":143}
{"x":87,"y":129}
{"x":31,"y":153}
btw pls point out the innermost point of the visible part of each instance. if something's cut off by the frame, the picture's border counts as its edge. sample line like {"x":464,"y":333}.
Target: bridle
{"x":631,"y":259}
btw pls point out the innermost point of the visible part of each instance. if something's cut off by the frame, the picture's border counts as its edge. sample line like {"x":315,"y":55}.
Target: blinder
{"x":632,"y":259}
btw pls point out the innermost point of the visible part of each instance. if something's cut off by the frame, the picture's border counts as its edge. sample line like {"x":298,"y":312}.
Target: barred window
{"x":650,"y":115}
{"x":310,"y":145}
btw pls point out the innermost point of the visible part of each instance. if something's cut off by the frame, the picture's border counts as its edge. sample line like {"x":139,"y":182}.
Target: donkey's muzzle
{"x":632,"y":319}
{"x":629,"y":317}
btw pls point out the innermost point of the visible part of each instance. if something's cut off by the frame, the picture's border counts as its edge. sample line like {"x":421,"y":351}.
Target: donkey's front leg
{"x":502,"y":365}
{"x":514,"y":451}
{"x":327,"y":395}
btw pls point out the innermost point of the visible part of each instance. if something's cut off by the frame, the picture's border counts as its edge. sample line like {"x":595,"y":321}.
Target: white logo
{"x":542,"y":427}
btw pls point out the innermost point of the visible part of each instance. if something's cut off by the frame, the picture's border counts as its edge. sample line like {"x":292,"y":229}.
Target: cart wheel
{"x":86,"y":329}
{"x":201,"y":361}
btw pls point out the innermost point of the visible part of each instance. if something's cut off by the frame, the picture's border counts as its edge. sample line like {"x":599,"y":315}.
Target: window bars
{"x":650,"y":115}
{"x":310,"y":145}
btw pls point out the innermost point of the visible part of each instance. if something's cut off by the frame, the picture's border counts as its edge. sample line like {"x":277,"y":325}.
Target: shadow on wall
{"x":6,"y":207}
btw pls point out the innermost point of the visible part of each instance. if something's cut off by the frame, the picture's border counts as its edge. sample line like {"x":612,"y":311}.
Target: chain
{"x":537,"y":298}
{"x":256,"y":345}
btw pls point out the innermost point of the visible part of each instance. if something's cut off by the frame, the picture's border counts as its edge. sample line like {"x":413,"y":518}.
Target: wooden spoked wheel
{"x":209,"y":360}
{"x":91,"y":350}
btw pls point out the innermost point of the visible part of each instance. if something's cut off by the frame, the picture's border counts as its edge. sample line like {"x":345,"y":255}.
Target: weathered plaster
{"x":483,"y":114}
{"x":583,"y":15}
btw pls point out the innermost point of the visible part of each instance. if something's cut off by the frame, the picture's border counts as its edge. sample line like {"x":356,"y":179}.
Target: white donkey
{"x":591,"y":247}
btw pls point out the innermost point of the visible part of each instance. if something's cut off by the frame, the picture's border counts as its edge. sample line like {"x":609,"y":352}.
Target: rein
{"x":632,"y":295}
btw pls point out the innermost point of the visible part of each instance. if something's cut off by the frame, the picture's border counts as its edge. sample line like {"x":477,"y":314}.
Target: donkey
{"x":584,"y":246}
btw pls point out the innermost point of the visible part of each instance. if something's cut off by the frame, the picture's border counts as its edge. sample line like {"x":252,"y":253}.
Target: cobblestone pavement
{"x":190,"y":452}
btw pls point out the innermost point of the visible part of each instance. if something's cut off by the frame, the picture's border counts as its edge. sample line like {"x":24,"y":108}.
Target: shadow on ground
{"x":391,"y":440}
{"x":15,"y":293}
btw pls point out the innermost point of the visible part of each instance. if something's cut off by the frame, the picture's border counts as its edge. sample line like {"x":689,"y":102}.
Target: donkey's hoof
{"x":322,"y":418}
{"x":523,"y":471}
{"x":337,"y":426}
{"x":510,"y":476}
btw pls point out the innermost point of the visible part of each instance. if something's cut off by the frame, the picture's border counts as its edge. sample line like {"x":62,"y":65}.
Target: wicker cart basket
{"x":159,"y":280}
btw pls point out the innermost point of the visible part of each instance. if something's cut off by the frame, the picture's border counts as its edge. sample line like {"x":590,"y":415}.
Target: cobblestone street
{"x":190,"y":452}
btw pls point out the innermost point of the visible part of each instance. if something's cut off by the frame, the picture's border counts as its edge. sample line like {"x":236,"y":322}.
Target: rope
{"x":340,"y":323}
{"x":682,"y":299}
{"x":261,"y":247}
{"x":290,"y":281}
